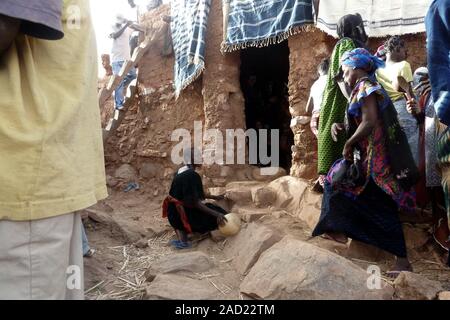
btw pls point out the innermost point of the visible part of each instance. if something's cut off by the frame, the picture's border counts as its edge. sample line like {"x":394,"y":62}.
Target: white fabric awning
{"x":381,"y":17}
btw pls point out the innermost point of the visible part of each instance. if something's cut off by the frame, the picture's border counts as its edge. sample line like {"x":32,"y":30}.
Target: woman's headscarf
{"x":381,"y":52}
{"x":360,"y":58}
{"x":352,"y":26}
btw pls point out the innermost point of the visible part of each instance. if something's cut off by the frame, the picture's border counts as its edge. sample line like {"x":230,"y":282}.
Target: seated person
{"x":184,"y":206}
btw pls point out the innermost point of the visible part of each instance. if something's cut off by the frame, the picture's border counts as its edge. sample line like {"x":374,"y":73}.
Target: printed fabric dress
{"x":368,"y":212}
{"x":332,"y":110}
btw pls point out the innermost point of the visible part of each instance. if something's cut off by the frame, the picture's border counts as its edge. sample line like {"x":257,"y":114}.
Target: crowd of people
{"x":384,"y":144}
{"x":383,"y":140}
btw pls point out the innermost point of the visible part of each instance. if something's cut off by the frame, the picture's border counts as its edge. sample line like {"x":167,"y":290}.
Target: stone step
{"x":249,"y":214}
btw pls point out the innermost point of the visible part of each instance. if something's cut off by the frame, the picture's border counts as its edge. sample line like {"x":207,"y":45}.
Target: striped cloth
{"x":250,"y":23}
{"x":188,"y":27}
{"x":381,"y":17}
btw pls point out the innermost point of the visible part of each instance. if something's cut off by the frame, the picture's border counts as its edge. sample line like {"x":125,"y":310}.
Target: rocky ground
{"x":273,"y":256}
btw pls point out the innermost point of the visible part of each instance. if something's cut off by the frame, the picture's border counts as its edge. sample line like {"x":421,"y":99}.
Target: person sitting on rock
{"x":364,"y":190}
{"x":184,"y":206}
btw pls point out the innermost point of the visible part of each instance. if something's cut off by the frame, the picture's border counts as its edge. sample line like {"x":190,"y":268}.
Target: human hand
{"x":412,"y":107}
{"x":314,"y":124}
{"x":221,"y":220}
{"x":347,"y":153}
{"x":335,"y":129}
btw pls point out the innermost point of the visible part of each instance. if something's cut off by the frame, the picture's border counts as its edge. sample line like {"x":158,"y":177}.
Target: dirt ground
{"x":138,"y":237}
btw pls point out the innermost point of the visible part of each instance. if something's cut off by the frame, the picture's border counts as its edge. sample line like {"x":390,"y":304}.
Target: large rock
{"x":293,"y":269}
{"x":263,"y":196}
{"x":415,"y":238}
{"x":289,"y":193}
{"x":363,"y":251}
{"x":130,"y":232}
{"x":310,"y":207}
{"x":126,"y":172}
{"x":445,"y":295}
{"x":412,"y":286}
{"x":176,"y":287}
{"x":194,"y":262}
{"x":249,"y":214}
{"x":258,"y":176}
{"x":150,"y":170}
{"x":246,"y":247}
{"x":240,"y":192}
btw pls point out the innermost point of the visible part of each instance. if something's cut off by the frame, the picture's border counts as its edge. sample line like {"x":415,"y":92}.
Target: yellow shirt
{"x":51,"y":148}
{"x":386,"y":76}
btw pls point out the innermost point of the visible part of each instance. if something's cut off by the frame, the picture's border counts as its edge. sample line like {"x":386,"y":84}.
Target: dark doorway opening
{"x":264,"y":82}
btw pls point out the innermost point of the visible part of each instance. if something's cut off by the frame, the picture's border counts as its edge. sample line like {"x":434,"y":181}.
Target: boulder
{"x":111,"y":181}
{"x":263,"y":196}
{"x":150,"y":170}
{"x":415,"y":237}
{"x":251,"y":214}
{"x":226,"y":171}
{"x":126,"y":172}
{"x":289,"y":193}
{"x":246,"y":247}
{"x":310,"y":207}
{"x":240,"y":192}
{"x":258,"y":176}
{"x":193,"y":262}
{"x":131,"y":232}
{"x":293,"y":269}
{"x":363,"y":251}
{"x":176,"y":287}
{"x":445,"y":295}
{"x":412,"y":286}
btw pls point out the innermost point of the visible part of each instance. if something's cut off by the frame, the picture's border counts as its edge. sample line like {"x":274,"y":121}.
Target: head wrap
{"x":360,"y":58}
{"x":381,"y":52}
{"x":352,"y":26}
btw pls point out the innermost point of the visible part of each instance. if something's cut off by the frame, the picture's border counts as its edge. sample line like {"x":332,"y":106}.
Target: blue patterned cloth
{"x":438,"y":44}
{"x":263,"y":22}
{"x":188,"y":27}
{"x":360,"y":58}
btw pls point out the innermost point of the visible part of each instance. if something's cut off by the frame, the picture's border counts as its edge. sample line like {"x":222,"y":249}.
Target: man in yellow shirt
{"x":396,"y":78}
{"x":51,"y":162}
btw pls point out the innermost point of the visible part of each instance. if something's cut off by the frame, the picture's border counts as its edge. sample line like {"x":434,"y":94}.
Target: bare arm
{"x":9,"y":28}
{"x":401,"y":85}
{"x":117,"y":34}
{"x":203,"y":208}
{"x":137,"y":27}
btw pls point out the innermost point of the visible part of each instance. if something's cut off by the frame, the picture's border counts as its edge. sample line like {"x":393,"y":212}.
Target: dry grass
{"x":129,"y":282}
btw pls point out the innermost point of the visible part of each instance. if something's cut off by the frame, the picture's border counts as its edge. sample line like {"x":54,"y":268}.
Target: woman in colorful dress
{"x":352,"y":35}
{"x":366,"y":208}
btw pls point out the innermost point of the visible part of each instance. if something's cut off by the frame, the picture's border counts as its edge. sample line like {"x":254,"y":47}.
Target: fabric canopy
{"x":249,"y":23}
{"x":381,"y":17}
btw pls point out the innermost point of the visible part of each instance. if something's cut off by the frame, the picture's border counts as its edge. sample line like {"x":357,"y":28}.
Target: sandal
{"x":178,"y":244}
